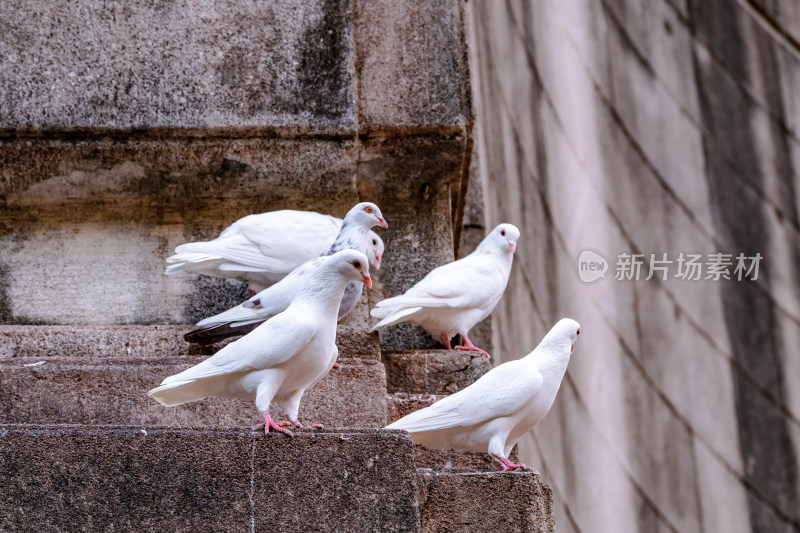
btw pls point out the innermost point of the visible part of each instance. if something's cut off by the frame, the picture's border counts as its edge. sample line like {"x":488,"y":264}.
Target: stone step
{"x":515,"y":502}
{"x":123,"y":478}
{"x":104,"y":478}
{"x":433,"y":371}
{"x":144,"y":341}
{"x":112,"y":390}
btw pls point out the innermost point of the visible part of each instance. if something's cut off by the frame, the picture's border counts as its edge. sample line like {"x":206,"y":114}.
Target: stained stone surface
{"x":80,"y":478}
{"x":113,"y":390}
{"x":192,"y":63}
{"x":453,"y":502}
{"x":408,"y":78}
{"x":433,"y":371}
{"x":156,"y":341}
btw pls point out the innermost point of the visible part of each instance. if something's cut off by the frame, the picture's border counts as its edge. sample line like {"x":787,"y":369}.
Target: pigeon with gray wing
{"x":453,"y":298}
{"x":283,"y":357}
{"x":261,"y":249}
{"x":354,"y":234}
{"x":493,"y":413}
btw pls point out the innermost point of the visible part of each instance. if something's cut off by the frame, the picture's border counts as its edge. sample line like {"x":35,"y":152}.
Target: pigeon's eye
{"x":356,"y":263}
{"x":374,"y":242}
{"x":368,"y":209}
{"x":503,"y":232}
{"x":579,"y":332}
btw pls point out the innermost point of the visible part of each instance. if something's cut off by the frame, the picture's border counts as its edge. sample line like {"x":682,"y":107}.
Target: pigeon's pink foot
{"x":445,"y":340}
{"x":251,"y":292}
{"x":298,"y":424}
{"x":269,"y":423}
{"x":471,"y":347}
{"x":474,"y":349}
{"x":505,"y":465}
{"x":335,"y":365}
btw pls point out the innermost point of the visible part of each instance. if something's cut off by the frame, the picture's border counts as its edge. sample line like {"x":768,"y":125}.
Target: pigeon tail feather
{"x":189,"y":262}
{"x":181,"y":392}
{"x":427,"y":420}
{"x":394,"y":316}
{"x":219,"y":332}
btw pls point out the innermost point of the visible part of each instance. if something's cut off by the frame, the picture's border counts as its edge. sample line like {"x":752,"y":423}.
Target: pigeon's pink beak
{"x":572,"y":348}
{"x":513,"y":246}
{"x":382,"y":222}
{"x":367,"y":280}
{"x":377,"y":264}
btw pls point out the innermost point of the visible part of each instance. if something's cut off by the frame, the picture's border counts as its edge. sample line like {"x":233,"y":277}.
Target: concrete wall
{"x":649,"y":127}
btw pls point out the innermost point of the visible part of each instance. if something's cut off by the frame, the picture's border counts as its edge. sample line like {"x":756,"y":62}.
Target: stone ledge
{"x":88,"y":478}
{"x":433,"y":371}
{"x":513,"y":502}
{"x":114,"y":390}
{"x":156,"y":342}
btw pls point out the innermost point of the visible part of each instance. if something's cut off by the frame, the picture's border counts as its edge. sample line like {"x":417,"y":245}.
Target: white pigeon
{"x":454,"y":297}
{"x":239,"y":320}
{"x":261,"y":249}
{"x":283,"y":357}
{"x":493,"y":413}
{"x":377,"y":250}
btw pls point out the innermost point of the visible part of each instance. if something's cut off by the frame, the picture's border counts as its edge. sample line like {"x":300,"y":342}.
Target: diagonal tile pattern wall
{"x":651,"y":127}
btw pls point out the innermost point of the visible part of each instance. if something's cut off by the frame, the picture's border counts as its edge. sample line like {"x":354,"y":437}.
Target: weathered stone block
{"x":499,"y":502}
{"x":113,"y":390}
{"x":187,"y":64}
{"x":433,"y":371}
{"x":92,"y":341}
{"x":82,"y":478}
{"x":411,"y":60}
{"x":204,"y":180}
{"x":375,"y":490}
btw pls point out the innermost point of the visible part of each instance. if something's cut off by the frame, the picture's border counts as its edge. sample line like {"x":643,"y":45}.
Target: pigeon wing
{"x":472,"y":282}
{"x":277,"y":241}
{"x":274,"y":342}
{"x":293,"y":237}
{"x":267,"y":303}
{"x":501,"y":392}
